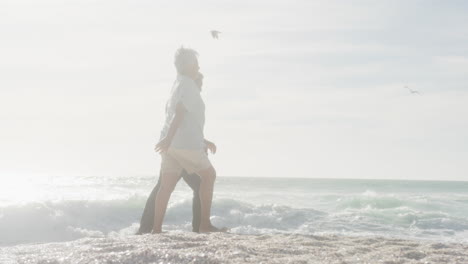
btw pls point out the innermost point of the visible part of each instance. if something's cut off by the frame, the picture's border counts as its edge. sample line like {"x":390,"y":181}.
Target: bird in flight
{"x":215,"y":33}
{"x":413,"y":91}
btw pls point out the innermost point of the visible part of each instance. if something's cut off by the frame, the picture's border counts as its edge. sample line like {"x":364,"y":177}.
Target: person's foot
{"x":156,"y":232}
{"x":212,"y":228}
{"x":142,"y":232}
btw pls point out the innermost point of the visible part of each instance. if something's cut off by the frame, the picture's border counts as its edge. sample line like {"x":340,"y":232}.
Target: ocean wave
{"x":365,"y":213}
{"x":65,"y":220}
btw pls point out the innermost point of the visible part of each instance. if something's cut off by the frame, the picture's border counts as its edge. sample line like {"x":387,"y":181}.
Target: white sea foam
{"x":247,"y":206}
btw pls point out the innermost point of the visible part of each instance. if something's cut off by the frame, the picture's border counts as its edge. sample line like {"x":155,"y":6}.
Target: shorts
{"x":175,"y":160}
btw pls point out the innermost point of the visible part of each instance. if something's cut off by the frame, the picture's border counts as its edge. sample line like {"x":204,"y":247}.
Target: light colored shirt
{"x":189,"y":134}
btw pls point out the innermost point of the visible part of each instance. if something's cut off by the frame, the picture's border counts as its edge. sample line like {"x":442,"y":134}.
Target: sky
{"x":292,"y":88}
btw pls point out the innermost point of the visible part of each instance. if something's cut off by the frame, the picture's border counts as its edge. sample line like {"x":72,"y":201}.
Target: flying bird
{"x":215,"y":33}
{"x":413,"y":91}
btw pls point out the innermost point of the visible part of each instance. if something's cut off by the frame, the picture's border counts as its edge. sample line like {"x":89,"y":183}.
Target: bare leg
{"x":193,"y":180}
{"x":207,"y":177}
{"x":168,"y":183}
{"x":147,"y":219}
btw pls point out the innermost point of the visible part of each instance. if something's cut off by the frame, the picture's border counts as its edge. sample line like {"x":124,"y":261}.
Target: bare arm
{"x":175,"y":123}
{"x":179,"y":115}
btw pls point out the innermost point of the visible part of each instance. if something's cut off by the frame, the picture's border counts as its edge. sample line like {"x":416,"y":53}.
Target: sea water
{"x":47,"y":209}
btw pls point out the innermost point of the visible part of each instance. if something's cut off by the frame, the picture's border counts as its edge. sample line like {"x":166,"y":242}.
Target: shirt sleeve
{"x":188,"y":96}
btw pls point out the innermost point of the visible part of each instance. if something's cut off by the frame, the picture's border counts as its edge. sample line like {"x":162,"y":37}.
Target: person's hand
{"x":162,"y":145}
{"x":210,"y":146}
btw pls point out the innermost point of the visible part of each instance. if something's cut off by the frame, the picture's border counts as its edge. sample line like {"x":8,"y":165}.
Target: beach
{"x":335,"y":131}
{"x":187,"y":247}
{"x":94,"y":219}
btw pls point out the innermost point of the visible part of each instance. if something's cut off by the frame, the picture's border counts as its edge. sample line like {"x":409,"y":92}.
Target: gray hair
{"x":183,"y":58}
